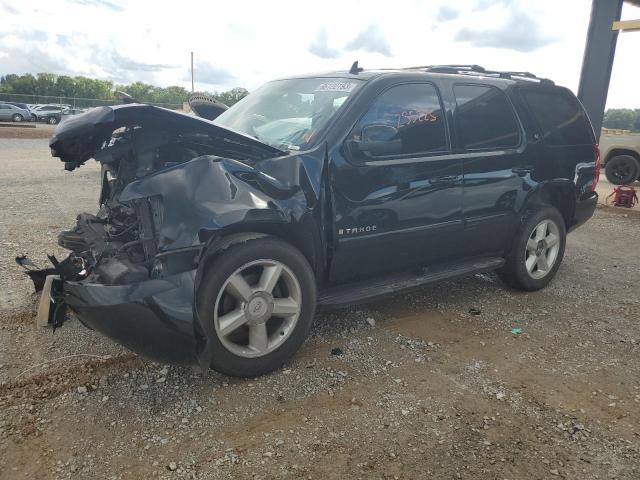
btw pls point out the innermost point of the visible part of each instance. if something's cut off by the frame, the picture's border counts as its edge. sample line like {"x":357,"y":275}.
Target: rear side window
{"x":404,"y":120}
{"x":484,"y":118}
{"x":561,"y":119}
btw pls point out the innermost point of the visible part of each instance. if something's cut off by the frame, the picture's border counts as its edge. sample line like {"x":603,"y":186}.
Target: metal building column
{"x":598,"y":59}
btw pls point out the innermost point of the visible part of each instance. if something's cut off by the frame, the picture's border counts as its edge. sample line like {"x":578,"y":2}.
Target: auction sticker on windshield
{"x":336,"y":87}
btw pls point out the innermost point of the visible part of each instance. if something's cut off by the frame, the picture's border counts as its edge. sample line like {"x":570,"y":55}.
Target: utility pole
{"x":192,"y":72}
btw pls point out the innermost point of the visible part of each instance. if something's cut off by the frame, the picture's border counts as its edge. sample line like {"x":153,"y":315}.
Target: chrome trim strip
{"x":431,"y":226}
{"x":451,"y":156}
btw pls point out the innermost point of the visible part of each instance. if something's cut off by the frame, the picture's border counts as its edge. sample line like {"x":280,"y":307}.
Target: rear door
{"x":490,"y":140}
{"x":397,"y":192}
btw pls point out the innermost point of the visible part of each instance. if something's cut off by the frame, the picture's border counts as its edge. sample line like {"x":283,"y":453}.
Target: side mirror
{"x":377,"y":140}
{"x":379,"y":133}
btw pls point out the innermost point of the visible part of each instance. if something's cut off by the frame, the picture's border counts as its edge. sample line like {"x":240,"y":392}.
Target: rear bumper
{"x":153,"y":318}
{"x":585,"y":207}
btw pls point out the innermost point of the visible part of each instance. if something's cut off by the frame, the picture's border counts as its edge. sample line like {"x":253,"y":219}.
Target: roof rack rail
{"x":481,"y":71}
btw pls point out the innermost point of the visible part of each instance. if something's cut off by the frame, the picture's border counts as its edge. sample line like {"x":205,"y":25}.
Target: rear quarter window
{"x":560,"y":117}
{"x":484,"y":118}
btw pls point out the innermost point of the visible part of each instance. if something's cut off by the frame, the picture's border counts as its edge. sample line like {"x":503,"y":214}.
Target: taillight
{"x":596,"y":174}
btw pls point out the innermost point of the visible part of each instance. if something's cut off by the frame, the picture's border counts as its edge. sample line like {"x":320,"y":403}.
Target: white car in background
{"x":13,"y":113}
{"x":51,"y":114}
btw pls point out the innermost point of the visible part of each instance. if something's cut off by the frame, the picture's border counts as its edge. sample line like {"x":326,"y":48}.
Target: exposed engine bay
{"x":118,"y":244}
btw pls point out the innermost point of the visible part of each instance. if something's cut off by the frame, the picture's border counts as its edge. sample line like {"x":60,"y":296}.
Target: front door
{"x":396,"y":190}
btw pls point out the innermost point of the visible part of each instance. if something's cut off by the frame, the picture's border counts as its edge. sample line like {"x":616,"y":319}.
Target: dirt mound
{"x":40,"y":131}
{"x":63,"y":375}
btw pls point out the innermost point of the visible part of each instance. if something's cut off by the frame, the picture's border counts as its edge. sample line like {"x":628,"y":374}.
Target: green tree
{"x":79,"y":88}
{"x":65,"y":86}
{"x":232,"y":96}
{"x":46,"y":84}
{"x":622,"y":118}
{"x":20,"y":84}
{"x":139,"y":90}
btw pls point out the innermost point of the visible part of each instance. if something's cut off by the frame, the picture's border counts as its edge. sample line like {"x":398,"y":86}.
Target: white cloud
{"x":446,"y":13}
{"x":248,"y":43}
{"x":520,"y":32}
{"x":320,"y":46}
{"x":371,"y":39}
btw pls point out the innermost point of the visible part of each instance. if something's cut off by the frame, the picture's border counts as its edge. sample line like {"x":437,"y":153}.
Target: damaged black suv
{"x":216,"y":238}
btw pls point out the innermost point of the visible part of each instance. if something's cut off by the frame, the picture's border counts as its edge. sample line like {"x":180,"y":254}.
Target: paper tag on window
{"x":336,"y":87}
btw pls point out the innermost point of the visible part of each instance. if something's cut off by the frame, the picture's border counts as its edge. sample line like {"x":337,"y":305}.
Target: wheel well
{"x":560,"y":197}
{"x":622,"y":151}
{"x":218,"y":241}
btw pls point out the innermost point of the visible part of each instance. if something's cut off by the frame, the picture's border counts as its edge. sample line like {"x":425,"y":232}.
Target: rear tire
{"x":260,"y":297}
{"x":537,"y":250}
{"x":622,"y":169}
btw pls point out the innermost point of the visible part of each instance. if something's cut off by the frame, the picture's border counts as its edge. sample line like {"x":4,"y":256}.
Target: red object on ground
{"x":624,"y":196}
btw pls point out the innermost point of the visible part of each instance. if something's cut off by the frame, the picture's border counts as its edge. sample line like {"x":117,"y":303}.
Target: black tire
{"x":52,"y":121}
{"x":17,"y":117}
{"x":622,"y":169}
{"x":514,"y":273}
{"x":222,"y":268}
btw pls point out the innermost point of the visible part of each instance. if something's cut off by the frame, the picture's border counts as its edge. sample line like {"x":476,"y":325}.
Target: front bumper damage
{"x":154,"y":318}
{"x":171,"y":184}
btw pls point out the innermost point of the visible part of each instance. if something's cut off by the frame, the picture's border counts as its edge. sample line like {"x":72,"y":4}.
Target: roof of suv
{"x":468,"y":72}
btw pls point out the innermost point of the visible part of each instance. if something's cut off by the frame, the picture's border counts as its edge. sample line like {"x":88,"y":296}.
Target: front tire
{"x":52,"y":120}
{"x":17,"y":117}
{"x":622,"y":170}
{"x":537,"y":250}
{"x":260,"y":297}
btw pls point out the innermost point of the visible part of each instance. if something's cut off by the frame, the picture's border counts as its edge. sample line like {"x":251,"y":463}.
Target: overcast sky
{"x":238,"y":43}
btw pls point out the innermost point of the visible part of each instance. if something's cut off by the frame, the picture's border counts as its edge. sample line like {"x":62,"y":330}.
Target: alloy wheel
{"x":542,"y":249}
{"x":257,"y":308}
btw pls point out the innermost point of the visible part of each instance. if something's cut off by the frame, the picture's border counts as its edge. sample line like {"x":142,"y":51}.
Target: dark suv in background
{"x":216,"y":240}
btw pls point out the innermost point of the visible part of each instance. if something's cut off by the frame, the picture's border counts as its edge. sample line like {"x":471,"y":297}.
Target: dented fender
{"x":201,"y":198}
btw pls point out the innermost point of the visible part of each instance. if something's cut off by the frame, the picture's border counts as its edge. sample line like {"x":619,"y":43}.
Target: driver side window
{"x":404,"y":120}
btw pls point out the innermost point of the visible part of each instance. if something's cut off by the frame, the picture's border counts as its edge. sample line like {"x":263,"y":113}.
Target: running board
{"x":365,"y":290}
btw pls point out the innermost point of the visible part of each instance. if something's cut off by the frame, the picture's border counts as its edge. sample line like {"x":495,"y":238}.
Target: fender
{"x":210,"y":197}
{"x":558,"y":192}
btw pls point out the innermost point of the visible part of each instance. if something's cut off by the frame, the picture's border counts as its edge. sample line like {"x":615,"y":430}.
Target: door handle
{"x":445,"y":180}
{"x":522,"y":171}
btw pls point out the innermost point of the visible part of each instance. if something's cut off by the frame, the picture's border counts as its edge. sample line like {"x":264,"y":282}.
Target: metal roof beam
{"x":626,"y":25}
{"x":598,"y":59}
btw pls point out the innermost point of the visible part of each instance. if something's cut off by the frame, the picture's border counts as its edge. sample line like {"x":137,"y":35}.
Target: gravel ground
{"x":432,"y":384}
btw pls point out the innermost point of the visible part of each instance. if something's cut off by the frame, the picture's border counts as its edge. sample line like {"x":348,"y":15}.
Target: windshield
{"x":289,"y":113}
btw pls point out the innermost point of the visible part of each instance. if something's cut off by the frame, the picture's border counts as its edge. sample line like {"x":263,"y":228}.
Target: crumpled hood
{"x":78,"y":139}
